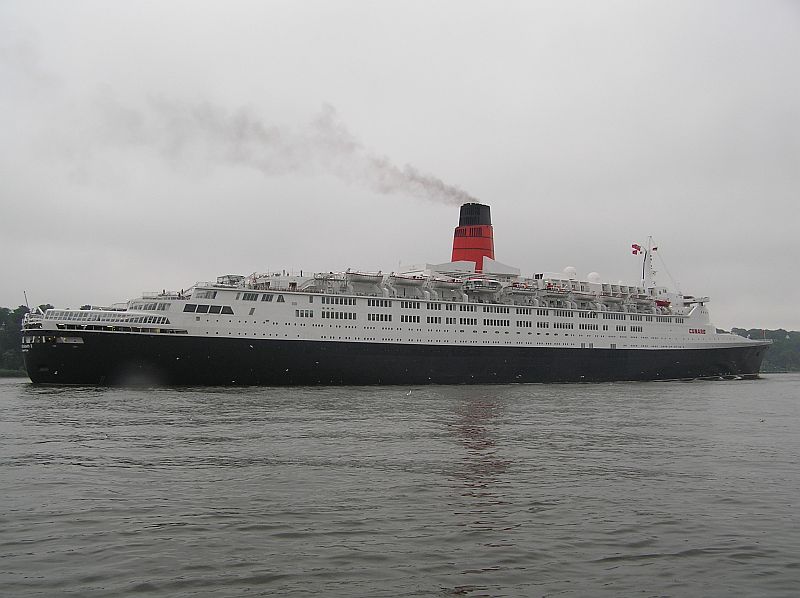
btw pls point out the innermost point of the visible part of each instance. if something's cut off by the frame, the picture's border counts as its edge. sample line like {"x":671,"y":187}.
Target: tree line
{"x":783,"y":355}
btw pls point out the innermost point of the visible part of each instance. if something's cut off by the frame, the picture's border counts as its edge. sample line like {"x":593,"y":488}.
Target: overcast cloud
{"x":148,"y":145}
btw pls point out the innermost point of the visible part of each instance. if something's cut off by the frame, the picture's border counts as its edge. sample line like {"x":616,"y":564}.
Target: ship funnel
{"x":473,"y":239}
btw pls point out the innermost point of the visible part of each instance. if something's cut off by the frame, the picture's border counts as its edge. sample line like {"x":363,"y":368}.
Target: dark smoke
{"x":182,"y":131}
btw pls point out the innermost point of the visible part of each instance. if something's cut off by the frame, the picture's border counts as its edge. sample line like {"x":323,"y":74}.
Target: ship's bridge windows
{"x":205,"y":309}
{"x":205,"y":295}
{"x":267,"y":297}
{"x":280,"y":299}
{"x":249,"y":296}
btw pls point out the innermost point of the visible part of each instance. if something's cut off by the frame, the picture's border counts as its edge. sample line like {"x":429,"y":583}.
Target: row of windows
{"x":204,"y":295}
{"x":608,"y":316}
{"x":207,"y":309}
{"x":87,"y":316}
{"x":620,"y":328}
{"x":525,"y":311}
{"x":543,"y":324}
{"x":587,"y":326}
{"x":587,"y":314}
{"x":150,"y":307}
{"x":636,"y":329}
{"x":496,"y":322}
{"x":338,"y":300}
{"x":493,"y":309}
{"x":379,"y":303}
{"x":524,"y":324}
{"x":379,"y":317}
{"x":566,"y":325}
{"x":409,"y":304}
{"x":304,"y":313}
{"x":434,"y":319}
{"x":434,"y":306}
{"x":469,"y":321}
{"x":339,"y":315}
{"x":467,"y":308}
{"x":251,"y":297}
{"x":414,"y":319}
{"x":120,"y":328}
{"x":563,"y":313}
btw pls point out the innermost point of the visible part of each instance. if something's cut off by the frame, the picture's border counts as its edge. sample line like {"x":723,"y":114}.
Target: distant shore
{"x":13,"y":374}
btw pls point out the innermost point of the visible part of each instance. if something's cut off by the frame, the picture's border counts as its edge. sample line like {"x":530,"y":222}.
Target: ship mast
{"x":648,"y":272}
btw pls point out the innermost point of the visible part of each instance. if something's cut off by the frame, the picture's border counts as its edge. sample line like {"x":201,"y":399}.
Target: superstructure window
{"x":338,"y":300}
{"x":202,"y":309}
{"x":189,"y":307}
{"x":379,"y":303}
{"x":227,"y":310}
{"x":214,"y":309}
{"x":379,"y":317}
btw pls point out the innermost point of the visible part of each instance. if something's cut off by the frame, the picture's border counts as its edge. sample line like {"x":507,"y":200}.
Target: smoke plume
{"x":186,"y":131}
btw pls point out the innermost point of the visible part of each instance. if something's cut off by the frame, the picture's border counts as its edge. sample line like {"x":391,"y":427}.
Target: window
{"x":214,"y":309}
{"x":379,"y":303}
{"x":189,"y":307}
{"x":267,"y":297}
{"x":202,"y":309}
{"x":227,"y":310}
{"x":249,"y":296}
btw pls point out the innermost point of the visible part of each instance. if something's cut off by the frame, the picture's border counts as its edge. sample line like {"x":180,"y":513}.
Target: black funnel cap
{"x":473,"y":214}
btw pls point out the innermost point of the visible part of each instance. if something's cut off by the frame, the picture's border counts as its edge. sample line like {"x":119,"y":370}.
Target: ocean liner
{"x":470,"y":320}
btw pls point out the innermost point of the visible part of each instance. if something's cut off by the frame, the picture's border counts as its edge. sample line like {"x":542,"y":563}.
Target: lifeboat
{"x":407,"y":280}
{"x":521,"y":288}
{"x":482,"y":285}
{"x":662,"y":303}
{"x":364,"y":277}
{"x":445,"y":283}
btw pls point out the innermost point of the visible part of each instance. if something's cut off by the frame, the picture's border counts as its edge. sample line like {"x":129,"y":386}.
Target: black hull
{"x":120,"y":358}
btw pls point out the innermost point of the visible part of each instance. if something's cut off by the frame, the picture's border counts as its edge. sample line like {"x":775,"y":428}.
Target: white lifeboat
{"x":407,"y":280}
{"x":482,"y":285}
{"x":364,"y":277}
{"x":445,"y":283}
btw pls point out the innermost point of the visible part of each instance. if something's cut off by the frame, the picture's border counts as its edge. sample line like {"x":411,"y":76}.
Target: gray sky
{"x":148,"y":145}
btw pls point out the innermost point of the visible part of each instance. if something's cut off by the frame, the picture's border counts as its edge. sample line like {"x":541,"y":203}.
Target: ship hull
{"x":120,"y":358}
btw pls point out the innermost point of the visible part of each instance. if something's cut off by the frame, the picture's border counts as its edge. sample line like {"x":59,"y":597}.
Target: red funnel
{"x":473,"y":238}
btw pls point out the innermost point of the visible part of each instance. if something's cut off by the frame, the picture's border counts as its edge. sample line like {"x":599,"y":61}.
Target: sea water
{"x":647,"y":489}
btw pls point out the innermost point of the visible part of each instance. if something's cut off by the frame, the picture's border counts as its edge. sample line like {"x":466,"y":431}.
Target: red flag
{"x":636,"y":249}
